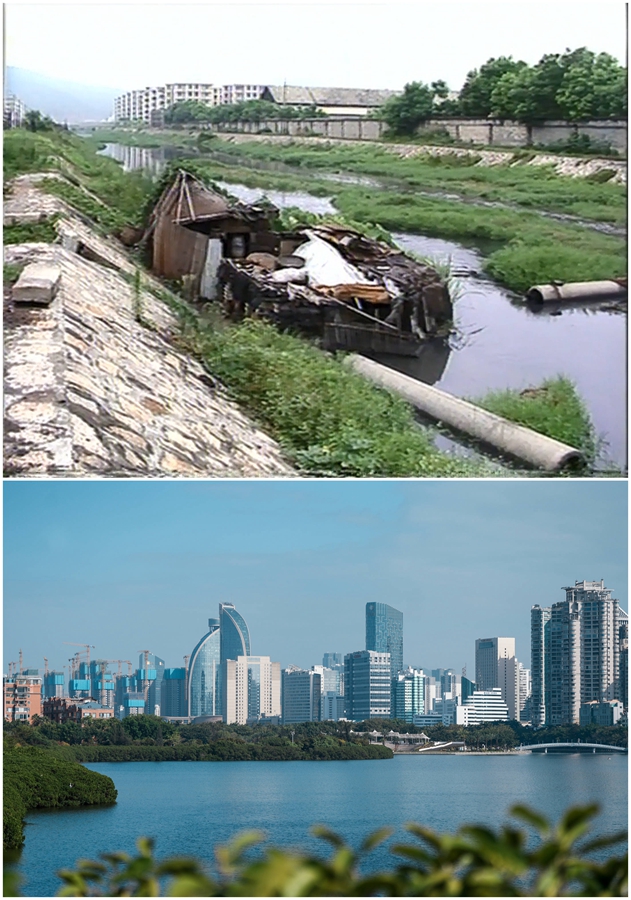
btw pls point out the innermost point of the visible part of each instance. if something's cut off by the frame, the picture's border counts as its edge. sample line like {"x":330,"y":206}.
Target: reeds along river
{"x":501,"y":343}
{"x":189,"y":807}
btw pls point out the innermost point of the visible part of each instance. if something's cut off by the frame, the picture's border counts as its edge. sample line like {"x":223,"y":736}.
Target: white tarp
{"x":324,"y":265}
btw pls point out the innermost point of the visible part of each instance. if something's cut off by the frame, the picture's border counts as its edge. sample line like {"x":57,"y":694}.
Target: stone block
{"x":38,"y":283}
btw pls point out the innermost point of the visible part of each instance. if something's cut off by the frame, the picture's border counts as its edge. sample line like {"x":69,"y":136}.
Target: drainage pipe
{"x":579,"y":290}
{"x":514,"y":440}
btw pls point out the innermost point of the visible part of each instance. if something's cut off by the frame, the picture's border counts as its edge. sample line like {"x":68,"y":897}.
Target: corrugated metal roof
{"x":329,"y":96}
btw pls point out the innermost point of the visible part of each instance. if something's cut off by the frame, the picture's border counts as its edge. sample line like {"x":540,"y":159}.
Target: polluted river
{"x":500,"y":342}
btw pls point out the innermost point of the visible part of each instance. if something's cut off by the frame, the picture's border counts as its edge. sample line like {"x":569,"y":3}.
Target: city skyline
{"x":156,"y":57}
{"x":299,"y":561}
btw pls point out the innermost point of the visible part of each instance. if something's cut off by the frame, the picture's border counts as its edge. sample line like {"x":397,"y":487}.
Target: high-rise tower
{"x":384,"y":633}
{"x":235,"y":636}
{"x":576,"y":651}
{"x":204,"y":675}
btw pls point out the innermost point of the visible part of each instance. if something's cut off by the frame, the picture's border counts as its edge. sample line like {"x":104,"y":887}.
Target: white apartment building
{"x":14,"y":111}
{"x":139,"y":105}
{"x":482,"y":706}
{"x":509,"y":684}
{"x":488,"y":652}
{"x":251,"y":689}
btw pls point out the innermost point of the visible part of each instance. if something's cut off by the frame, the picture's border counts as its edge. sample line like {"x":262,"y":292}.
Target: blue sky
{"x":128,"y":566}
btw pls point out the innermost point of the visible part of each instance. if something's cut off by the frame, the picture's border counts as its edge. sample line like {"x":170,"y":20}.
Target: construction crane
{"x":21,"y":662}
{"x":86,"y":651}
{"x":120,"y":661}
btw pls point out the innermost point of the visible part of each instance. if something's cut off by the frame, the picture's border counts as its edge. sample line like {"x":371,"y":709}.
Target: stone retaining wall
{"x":90,"y":391}
{"x":475,"y":131}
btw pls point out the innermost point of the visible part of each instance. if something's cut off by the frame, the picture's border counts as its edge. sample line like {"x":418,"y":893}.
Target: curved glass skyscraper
{"x":204,"y":674}
{"x":235,"y":636}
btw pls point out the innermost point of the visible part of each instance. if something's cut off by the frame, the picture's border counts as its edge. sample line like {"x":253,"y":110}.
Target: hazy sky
{"x":129,"y":566}
{"x":342,"y":44}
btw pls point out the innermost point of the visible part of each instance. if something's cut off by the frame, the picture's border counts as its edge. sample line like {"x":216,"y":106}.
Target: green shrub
{"x":554,"y":409}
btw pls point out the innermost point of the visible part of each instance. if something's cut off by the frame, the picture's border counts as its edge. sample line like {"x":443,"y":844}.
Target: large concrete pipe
{"x":579,"y":290}
{"x":514,"y":440}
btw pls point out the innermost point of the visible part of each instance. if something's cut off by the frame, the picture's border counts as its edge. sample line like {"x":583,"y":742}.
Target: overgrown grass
{"x":30,"y":232}
{"x":329,"y":420}
{"x":123,"y":193}
{"x":11,"y":273}
{"x":535,"y":250}
{"x":533,"y":187}
{"x":554,"y":409}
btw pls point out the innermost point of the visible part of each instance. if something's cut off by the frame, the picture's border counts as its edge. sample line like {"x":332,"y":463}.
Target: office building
{"x":301,"y":695}
{"x":234,"y":633}
{"x":173,"y":702}
{"x":251,"y":689}
{"x":333,"y":707}
{"x":467,"y":687}
{"x":367,"y":684}
{"x":408,"y":694}
{"x":384,"y":633}
{"x":482,"y":706}
{"x":204,"y":674}
{"x":488,"y":652}
{"x":154,"y":702}
{"x":540,"y":664}
{"x":510,"y":684}
{"x":331,"y":660}
{"x":22,"y":697}
{"x":608,"y":712}
{"x":332,"y":679}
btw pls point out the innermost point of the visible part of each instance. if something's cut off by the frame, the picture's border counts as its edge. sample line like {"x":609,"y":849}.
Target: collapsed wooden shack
{"x":354,"y":292}
{"x":191,"y":228}
{"x":328,"y":281}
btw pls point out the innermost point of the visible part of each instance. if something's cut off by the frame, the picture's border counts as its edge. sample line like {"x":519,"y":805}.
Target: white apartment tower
{"x":581,"y":656}
{"x":251,"y":689}
{"x":488,"y":652}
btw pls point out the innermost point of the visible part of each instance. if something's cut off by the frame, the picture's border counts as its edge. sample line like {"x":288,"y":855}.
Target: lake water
{"x":188,"y":807}
{"x":501,"y":343}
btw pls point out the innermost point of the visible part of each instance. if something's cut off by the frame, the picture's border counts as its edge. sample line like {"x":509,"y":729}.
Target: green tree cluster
{"x":194,"y":112}
{"x":35,"y":778}
{"x":575,"y":86}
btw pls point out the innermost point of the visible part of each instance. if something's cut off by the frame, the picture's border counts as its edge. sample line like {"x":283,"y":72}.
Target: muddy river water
{"x":500,"y":342}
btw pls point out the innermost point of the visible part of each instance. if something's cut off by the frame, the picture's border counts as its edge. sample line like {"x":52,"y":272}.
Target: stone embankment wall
{"x":92,"y":391}
{"x":475,"y":131}
{"x":574,"y":166}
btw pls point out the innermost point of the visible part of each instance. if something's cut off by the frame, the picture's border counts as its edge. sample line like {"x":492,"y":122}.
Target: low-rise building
{"x":22,"y":697}
{"x":14,"y":111}
{"x":482,"y":706}
{"x":606,"y":712}
{"x":63,"y":709}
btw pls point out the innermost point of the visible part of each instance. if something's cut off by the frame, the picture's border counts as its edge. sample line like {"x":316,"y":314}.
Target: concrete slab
{"x":38,"y":283}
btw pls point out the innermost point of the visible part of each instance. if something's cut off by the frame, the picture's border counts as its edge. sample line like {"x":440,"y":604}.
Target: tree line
{"x":36,"y":779}
{"x":575,"y":86}
{"x":190,"y":112}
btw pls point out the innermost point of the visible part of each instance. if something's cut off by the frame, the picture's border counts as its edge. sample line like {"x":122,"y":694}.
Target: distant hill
{"x":63,"y":101}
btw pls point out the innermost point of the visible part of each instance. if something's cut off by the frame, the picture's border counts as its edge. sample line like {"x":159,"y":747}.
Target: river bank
{"x":353,"y":429}
{"x":418,"y":196}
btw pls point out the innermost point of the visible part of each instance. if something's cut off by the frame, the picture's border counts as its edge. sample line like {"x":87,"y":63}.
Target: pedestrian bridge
{"x":577,"y":747}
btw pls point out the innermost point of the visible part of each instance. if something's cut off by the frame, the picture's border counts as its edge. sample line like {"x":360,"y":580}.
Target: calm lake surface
{"x":188,"y":807}
{"x":501,"y":343}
